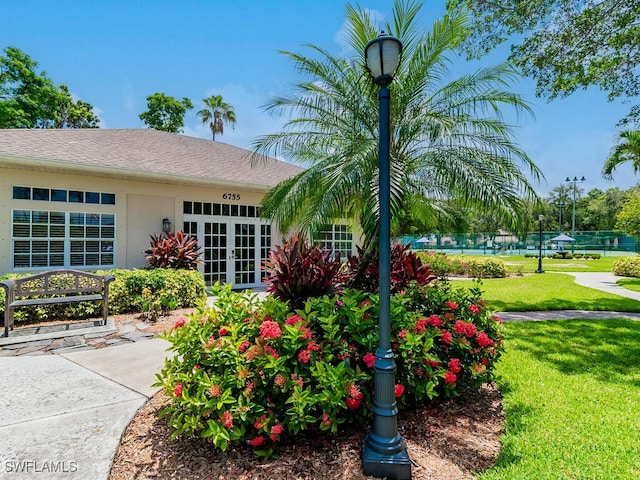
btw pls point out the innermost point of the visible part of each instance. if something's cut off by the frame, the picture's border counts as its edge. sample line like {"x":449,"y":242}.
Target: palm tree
{"x":448,"y":141}
{"x":217,"y":112}
{"x":628,"y":150}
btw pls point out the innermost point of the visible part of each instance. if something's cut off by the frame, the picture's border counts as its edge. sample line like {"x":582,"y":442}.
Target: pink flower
{"x":197,"y":367}
{"x":227,"y":420}
{"x":313,"y":346}
{"x":270,"y":329}
{"x":403,"y":334}
{"x":398,"y":390}
{"x":450,"y":377}
{"x":271,"y":351}
{"x":466,"y":329}
{"x":340,"y":303}
{"x":369,"y":359}
{"x":484,"y":340}
{"x":280,"y":380}
{"x":431,"y":363}
{"x":243,"y":346}
{"x":258,"y":424}
{"x":497,"y":318}
{"x":446,"y":337}
{"x":276,"y":430}
{"x":222,"y":332}
{"x":293,"y":319}
{"x":177,"y":391}
{"x":451,"y":305}
{"x":215,"y":390}
{"x":304,"y":356}
{"x":421,"y":325}
{"x":326,"y":419}
{"x":179,"y":323}
{"x":256,"y":442}
{"x":454,"y":365}
{"x":353,"y":403}
{"x":474,"y":309}
{"x":435,"y":321}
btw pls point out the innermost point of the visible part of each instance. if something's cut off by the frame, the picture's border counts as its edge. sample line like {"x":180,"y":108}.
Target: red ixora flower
{"x":243,"y":346}
{"x":180,"y":322}
{"x":450,"y":377}
{"x":403,"y":334}
{"x":484,"y":340}
{"x":227,"y":420}
{"x":369,"y":359}
{"x":435,"y":321}
{"x":222,"y":332}
{"x":463,"y":328}
{"x":177,"y":391}
{"x":293,"y":319}
{"x":474,"y":309}
{"x":256,"y":442}
{"x":454,"y":365}
{"x":451,"y":305}
{"x":304,"y":356}
{"x":446,"y":337}
{"x":398,"y":390}
{"x":270,"y":329}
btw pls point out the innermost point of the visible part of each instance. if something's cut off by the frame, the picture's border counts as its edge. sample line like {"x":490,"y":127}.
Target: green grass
{"x":571,"y":392}
{"x":548,"y":291}
{"x":630,"y":283}
{"x":517,"y":263}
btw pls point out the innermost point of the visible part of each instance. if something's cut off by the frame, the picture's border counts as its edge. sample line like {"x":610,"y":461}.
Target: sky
{"x":114,"y":53}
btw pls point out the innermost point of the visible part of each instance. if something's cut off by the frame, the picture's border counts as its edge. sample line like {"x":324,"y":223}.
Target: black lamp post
{"x":384,"y":451}
{"x":540,"y":270}
{"x":575,"y":182}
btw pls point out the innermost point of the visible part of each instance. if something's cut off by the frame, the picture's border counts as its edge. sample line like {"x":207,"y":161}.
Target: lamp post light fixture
{"x":575,"y":182}
{"x":560,"y":204}
{"x":384,"y":451}
{"x":166,"y":225}
{"x":540,"y":270}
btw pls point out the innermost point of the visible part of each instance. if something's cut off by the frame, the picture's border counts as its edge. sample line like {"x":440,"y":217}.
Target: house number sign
{"x":231,"y":196}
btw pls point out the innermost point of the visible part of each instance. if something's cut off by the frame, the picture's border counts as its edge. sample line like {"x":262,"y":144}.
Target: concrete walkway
{"x":63,"y":414}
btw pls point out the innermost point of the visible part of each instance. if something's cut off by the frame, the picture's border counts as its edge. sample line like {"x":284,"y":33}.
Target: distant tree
{"x":628,"y":220}
{"x":29,"y":99}
{"x":627,"y":150}
{"x":217,"y":113}
{"x":601,"y":208}
{"x":75,"y":114}
{"x":565,"y":45}
{"x":165,"y":113}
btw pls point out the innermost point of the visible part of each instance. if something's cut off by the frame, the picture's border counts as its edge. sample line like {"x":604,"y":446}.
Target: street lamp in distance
{"x":540,"y":270}
{"x":384,"y":451}
{"x":575,"y":182}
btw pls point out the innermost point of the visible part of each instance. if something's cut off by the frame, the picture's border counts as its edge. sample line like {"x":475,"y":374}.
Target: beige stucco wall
{"x":139,"y":209}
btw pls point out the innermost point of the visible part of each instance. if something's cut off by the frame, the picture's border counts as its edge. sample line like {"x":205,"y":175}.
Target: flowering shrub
{"x":249,"y":371}
{"x":627,"y":266}
{"x":474,"y":266}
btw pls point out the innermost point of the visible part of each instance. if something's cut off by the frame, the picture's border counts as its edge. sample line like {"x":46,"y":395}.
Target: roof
{"x":140,"y":154}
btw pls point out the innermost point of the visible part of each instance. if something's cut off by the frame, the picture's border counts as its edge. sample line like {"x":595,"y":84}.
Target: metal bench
{"x":54,"y":287}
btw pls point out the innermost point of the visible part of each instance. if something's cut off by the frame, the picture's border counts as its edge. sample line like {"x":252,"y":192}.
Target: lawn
{"x":548,"y":291}
{"x":571,"y":399}
{"x":518,"y":263}
{"x":630,"y":283}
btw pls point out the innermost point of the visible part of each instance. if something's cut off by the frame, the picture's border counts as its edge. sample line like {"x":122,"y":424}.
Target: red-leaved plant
{"x":173,"y":250}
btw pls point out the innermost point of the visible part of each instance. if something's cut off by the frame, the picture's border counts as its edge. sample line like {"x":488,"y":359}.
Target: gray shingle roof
{"x":137,"y":153}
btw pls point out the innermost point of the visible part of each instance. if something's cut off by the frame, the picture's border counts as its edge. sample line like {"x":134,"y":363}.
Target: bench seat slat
{"x":54,"y":300}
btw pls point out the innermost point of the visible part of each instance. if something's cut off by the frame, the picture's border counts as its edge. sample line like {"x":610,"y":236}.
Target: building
{"x":91,"y":198}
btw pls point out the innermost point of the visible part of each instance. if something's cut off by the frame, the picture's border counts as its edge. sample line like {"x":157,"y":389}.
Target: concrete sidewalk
{"x":64,"y":414}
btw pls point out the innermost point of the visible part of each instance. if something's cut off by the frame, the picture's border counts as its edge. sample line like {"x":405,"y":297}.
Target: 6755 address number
{"x":231,"y":196}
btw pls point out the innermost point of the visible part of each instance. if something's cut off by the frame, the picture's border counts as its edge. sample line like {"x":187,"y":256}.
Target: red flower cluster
{"x":446,"y":337}
{"x":177,"y":391}
{"x":243,"y":346}
{"x":369,"y":359}
{"x":256,"y":442}
{"x":276,"y":430}
{"x":293,"y":320}
{"x":179,"y":323}
{"x":484,"y":340}
{"x":450,"y":377}
{"x":227,"y":420}
{"x":474,"y":309}
{"x":463,"y":328}
{"x":398,"y":390}
{"x":222,"y":332}
{"x":304,"y":356}
{"x":435,"y":321}
{"x":270,"y":329}
{"x":452,"y":305}
{"x":454,"y":365}
{"x":355,"y":398}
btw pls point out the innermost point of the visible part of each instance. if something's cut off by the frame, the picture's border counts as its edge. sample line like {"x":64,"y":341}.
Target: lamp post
{"x":573,"y":215}
{"x":560,"y":205}
{"x":540,"y":270}
{"x":384,"y":451}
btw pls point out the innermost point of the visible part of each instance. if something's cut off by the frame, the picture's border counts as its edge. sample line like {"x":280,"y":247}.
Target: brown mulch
{"x":448,"y":440}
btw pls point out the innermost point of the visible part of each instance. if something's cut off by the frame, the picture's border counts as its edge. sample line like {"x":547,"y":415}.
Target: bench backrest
{"x":58,"y":282}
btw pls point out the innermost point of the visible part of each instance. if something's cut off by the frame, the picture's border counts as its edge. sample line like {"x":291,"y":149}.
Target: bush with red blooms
{"x":246,"y":371}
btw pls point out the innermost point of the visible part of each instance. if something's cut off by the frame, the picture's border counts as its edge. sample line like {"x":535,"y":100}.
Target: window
{"x":59,"y":195}
{"x":43,"y":238}
{"x":265,"y":246}
{"x":337,"y":238}
{"x":220,"y":209}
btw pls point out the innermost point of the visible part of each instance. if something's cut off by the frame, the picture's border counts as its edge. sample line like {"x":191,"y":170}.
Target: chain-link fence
{"x":603,"y":242}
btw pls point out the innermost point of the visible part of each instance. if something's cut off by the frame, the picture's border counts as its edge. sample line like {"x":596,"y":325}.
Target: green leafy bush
{"x":297,"y":271}
{"x":154,"y":291}
{"x":627,"y":266}
{"x":173,"y":250}
{"x":251,"y":372}
{"x":472,"y":266}
{"x":150,"y":292}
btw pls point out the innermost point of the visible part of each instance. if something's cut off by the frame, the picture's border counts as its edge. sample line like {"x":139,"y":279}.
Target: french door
{"x":232,"y":249}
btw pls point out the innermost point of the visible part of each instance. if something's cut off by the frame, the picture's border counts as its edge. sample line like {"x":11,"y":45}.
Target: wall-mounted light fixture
{"x":166,"y":225}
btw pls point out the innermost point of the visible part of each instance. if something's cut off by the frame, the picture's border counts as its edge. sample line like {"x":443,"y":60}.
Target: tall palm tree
{"x":448,"y":140}
{"x":628,"y":150}
{"x":218,"y":113}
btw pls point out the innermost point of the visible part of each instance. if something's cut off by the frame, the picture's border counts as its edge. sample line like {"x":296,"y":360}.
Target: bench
{"x":55,"y":286}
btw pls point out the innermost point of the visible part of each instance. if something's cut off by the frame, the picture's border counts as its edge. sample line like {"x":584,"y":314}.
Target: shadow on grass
{"x":608,"y":350}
